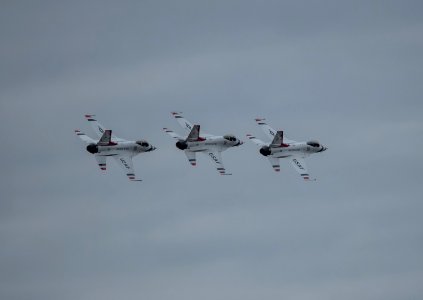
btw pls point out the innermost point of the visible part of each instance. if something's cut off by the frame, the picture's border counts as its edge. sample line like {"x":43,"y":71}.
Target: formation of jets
{"x":123,"y":151}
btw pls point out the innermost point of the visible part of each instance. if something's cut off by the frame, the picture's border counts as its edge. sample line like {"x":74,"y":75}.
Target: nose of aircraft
{"x":240,"y":143}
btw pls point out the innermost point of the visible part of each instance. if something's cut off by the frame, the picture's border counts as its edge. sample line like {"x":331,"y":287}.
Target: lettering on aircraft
{"x":125,"y":163}
{"x":271,"y":132}
{"x":214,"y":157}
{"x":100,"y":129}
{"x":188,"y":126}
{"x":298,"y":164}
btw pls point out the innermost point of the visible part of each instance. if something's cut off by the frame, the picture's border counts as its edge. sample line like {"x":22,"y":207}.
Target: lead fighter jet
{"x":210,"y":145}
{"x":111,"y":146}
{"x":281,"y":147}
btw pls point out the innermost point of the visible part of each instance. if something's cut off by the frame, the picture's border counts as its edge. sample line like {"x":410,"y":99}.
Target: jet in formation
{"x":281,"y":147}
{"x":111,"y":146}
{"x":210,"y":145}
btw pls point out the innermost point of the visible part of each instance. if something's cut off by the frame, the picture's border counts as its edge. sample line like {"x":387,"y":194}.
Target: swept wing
{"x":126,"y":164}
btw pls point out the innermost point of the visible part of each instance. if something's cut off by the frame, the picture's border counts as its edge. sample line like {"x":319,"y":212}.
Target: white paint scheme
{"x":281,"y":147}
{"x":109,"y":145}
{"x":211,"y":145}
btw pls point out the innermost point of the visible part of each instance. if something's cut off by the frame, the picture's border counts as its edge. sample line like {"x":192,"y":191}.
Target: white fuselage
{"x":301,"y":149}
{"x":128,"y":148}
{"x":216,"y":142}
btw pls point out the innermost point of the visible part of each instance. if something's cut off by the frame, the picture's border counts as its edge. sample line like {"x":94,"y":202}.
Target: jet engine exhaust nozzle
{"x":92,"y":148}
{"x":182,"y":145}
{"x":265,"y":151}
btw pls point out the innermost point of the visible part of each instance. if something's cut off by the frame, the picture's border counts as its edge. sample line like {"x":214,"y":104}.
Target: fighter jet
{"x":281,"y":147}
{"x":211,"y":145}
{"x":111,"y":146}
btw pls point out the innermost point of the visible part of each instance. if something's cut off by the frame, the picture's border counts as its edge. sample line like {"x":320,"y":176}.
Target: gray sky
{"x":347,"y":73}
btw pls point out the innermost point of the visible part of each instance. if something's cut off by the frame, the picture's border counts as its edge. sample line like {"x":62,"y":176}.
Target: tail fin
{"x":278,"y":140}
{"x":194,"y":135}
{"x":106,"y":139}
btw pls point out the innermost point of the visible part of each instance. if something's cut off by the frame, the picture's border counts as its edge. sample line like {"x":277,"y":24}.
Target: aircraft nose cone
{"x":240,"y":143}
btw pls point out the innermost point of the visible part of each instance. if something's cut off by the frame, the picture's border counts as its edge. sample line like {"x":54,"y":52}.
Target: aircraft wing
{"x":187,"y":125}
{"x":100,"y":129}
{"x":84,"y":137}
{"x":256,"y":141}
{"x":126,"y":163}
{"x":173,"y":134}
{"x":300,"y":166}
{"x":101,"y":161}
{"x":270,"y":132}
{"x":191,"y":157}
{"x":216,"y":157}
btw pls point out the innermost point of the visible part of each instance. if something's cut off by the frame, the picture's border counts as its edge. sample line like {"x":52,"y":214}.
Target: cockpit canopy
{"x":313,"y":143}
{"x":143,"y":143}
{"x":230,"y":137}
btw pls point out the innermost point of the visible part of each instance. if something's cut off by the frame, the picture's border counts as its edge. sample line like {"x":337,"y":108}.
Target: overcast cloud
{"x":348,"y":73}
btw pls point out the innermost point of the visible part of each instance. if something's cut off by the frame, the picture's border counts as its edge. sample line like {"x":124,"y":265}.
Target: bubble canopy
{"x":229,"y":137}
{"x":313,"y":143}
{"x":143,"y":143}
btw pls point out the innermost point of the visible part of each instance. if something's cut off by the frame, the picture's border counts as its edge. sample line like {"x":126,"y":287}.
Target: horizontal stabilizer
{"x":84,"y":137}
{"x":274,"y":162}
{"x":256,"y":140}
{"x":101,"y":161}
{"x":173,"y":134}
{"x":191,"y":157}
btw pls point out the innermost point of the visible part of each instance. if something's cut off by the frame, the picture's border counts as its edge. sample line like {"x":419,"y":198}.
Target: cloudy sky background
{"x":348,"y":73}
